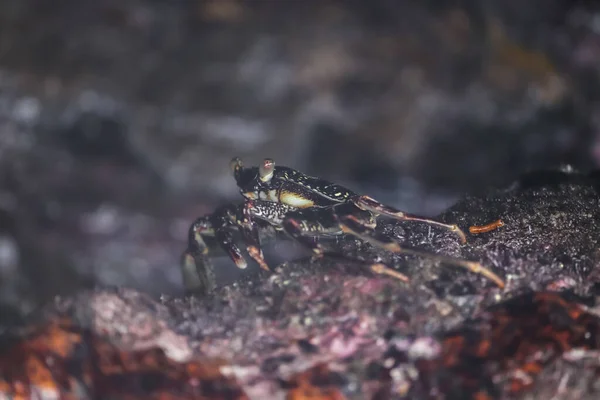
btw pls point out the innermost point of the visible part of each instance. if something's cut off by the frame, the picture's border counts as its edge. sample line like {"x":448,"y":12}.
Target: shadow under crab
{"x":303,"y":208}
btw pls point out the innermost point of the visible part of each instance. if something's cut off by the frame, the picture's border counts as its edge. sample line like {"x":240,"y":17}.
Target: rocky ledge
{"x":329,"y":329}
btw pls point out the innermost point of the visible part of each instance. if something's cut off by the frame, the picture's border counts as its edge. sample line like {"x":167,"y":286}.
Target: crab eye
{"x":266,"y":169}
{"x":235,"y":164}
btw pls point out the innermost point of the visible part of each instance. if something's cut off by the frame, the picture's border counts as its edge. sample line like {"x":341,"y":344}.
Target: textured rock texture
{"x":327,"y":329}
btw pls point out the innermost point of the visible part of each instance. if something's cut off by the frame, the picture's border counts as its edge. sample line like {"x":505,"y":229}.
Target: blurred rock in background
{"x":118,"y":118}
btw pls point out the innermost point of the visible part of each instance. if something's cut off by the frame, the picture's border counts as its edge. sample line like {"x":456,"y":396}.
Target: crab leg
{"x":222,"y":222}
{"x":205,"y":236}
{"x":304,"y":229}
{"x":303,"y":225}
{"x":370,"y":204}
{"x":198,"y":272}
{"x":353,"y":225}
{"x":196,"y":267}
{"x":249,"y":230}
{"x":270,"y":212}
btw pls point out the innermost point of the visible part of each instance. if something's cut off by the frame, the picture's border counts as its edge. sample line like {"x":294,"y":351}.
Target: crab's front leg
{"x":205,"y":236}
{"x":223,"y":223}
{"x":253,"y":210}
{"x":249,"y":229}
{"x":196,"y":266}
{"x":197,"y":272}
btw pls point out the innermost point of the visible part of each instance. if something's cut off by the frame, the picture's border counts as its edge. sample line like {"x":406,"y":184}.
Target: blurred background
{"x":118,"y":118}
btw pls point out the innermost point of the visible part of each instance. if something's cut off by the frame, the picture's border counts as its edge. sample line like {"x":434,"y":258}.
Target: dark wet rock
{"x":329,"y":329}
{"x":550,"y":231}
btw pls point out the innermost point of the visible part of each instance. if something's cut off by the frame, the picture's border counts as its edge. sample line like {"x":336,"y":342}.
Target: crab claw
{"x":235,"y":164}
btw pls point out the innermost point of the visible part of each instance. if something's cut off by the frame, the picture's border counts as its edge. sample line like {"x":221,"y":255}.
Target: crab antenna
{"x":266,"y":169}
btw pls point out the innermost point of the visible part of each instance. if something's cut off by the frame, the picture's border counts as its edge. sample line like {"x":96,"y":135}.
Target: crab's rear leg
{"x":370,"y":204}
{"x":354,"y":223}
{"x":305,"y":226}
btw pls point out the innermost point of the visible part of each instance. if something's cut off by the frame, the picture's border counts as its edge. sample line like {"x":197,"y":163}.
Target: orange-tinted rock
{"x":74,"y":363}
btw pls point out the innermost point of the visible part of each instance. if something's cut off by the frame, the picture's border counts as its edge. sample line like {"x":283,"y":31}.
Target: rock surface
{"x":327,"y":329}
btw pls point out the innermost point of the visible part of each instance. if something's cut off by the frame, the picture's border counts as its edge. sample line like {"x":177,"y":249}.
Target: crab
{"x":279,"y":199}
